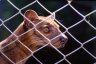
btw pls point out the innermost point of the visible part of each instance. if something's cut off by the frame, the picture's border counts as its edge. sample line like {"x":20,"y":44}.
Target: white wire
{"x":64,"y":56}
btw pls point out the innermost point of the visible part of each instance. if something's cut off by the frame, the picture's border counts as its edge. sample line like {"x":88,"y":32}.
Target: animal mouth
{"x":58,"y":43}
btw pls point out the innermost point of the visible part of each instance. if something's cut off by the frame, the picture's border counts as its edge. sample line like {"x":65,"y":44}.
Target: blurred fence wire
{"x":66,"y":30}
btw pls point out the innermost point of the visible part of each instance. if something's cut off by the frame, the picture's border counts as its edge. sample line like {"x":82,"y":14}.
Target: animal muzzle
{"x":60,"y":41}
{"x":63,"y":38}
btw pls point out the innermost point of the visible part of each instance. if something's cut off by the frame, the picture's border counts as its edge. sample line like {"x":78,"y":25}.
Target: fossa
{"x":32,"y":39}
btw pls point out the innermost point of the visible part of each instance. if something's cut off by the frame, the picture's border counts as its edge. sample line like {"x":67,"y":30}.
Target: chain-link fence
{"x":79,"y":27}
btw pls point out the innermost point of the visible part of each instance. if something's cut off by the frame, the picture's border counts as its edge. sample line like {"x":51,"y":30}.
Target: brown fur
{"x":32,"y":39}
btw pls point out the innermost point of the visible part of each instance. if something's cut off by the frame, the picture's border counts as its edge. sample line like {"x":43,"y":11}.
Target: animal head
{"x":47,"y":26}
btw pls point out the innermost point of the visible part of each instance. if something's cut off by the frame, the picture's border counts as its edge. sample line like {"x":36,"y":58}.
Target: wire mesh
{"x":82,"y":44}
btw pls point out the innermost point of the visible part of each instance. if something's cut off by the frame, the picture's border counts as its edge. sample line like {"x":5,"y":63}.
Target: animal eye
{"x":46,"y":29}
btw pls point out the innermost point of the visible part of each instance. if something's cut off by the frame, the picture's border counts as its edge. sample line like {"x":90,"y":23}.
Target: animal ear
{"x":31,"y":15}
{"x":52,"y":16}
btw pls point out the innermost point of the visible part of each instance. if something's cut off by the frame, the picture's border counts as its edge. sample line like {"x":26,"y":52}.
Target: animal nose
{"x":62,"y":39}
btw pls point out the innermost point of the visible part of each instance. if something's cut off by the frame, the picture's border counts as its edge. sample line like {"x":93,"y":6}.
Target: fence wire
{"x":66,"y":30}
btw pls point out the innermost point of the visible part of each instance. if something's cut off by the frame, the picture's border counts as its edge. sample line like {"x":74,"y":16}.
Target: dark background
{"x":68,"y":17}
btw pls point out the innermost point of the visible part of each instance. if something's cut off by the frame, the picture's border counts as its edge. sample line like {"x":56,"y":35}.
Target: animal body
{"x":13,"y":46}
